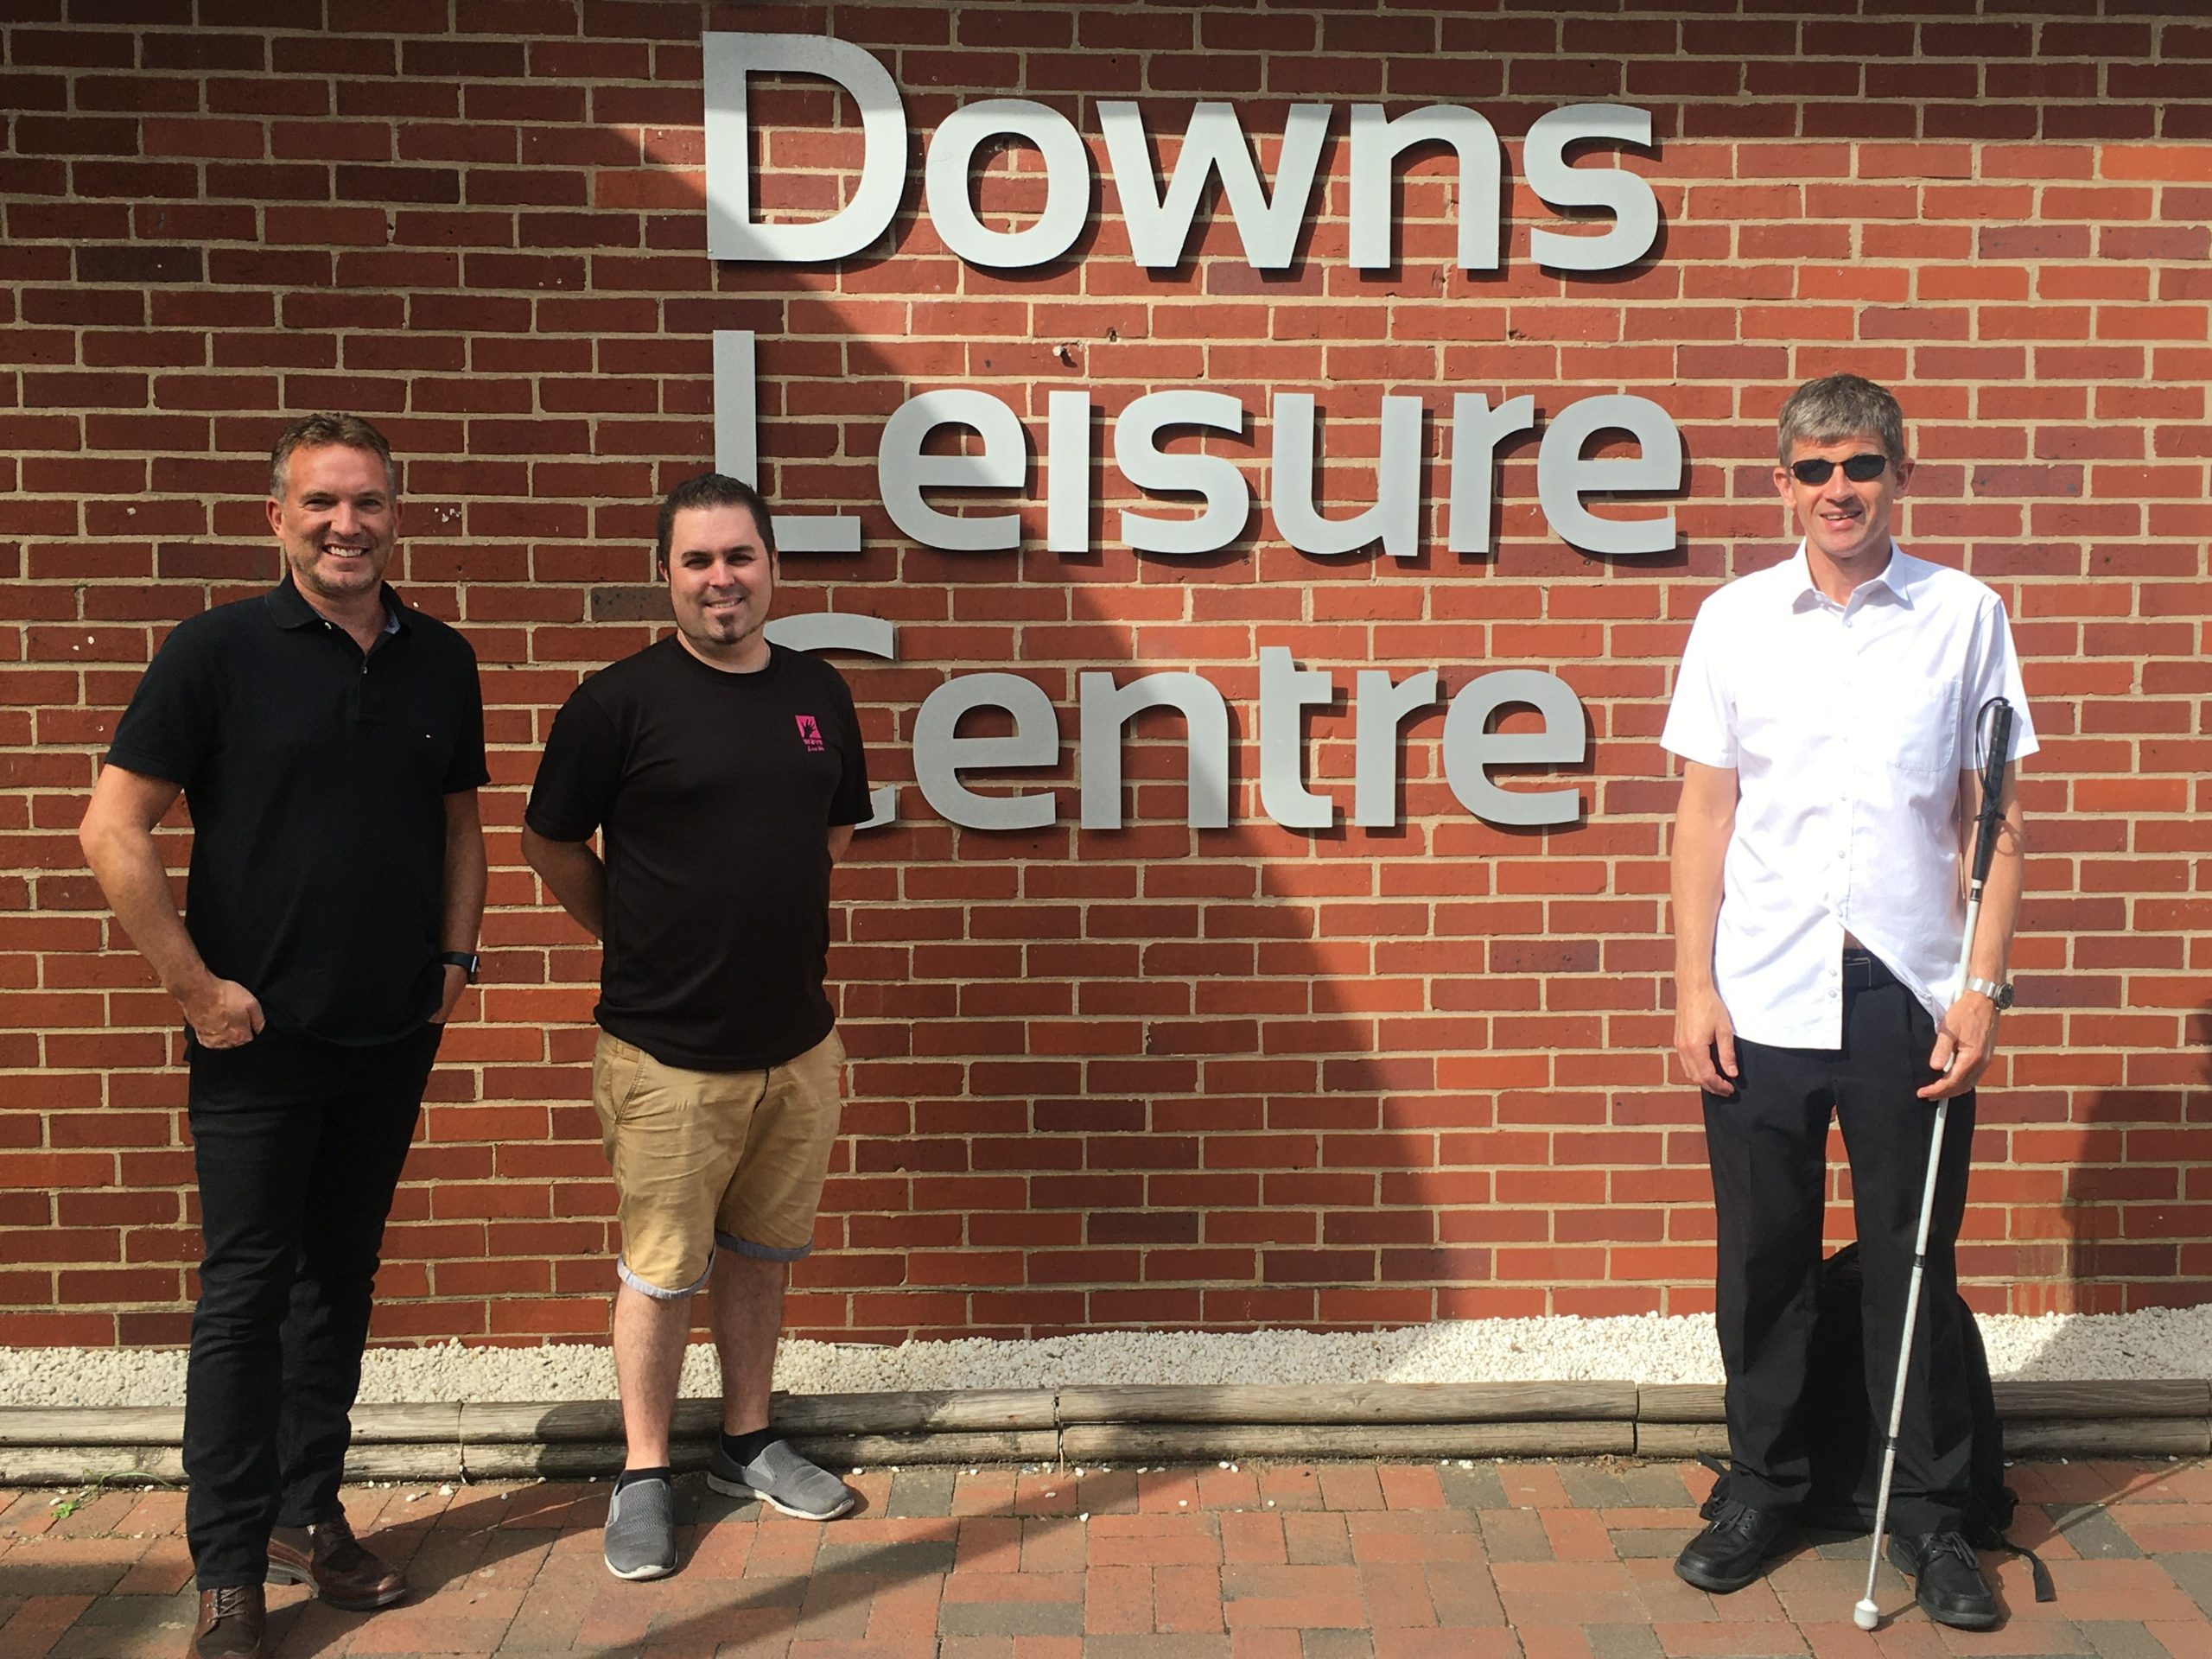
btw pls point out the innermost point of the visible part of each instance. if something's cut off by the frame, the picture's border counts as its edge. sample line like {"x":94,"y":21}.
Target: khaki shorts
{"x":701,"y":1159}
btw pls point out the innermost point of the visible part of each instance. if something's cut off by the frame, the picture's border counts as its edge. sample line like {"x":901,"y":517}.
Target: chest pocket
{"x":1913,"y":726}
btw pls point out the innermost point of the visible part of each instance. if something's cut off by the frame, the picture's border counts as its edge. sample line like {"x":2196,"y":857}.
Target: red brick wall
{"x":1158,"y":1077}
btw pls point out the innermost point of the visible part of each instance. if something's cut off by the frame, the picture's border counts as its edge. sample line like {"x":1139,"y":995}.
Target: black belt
{"x":1864,"y":971}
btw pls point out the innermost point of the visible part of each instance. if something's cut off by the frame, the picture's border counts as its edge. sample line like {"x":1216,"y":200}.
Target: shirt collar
{"x":291,"y":610}
{"x":1898,"y":578}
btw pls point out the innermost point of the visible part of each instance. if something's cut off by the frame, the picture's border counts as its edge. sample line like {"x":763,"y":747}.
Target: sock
{"x":745,"y":1447}
{"x":628,"y":1475}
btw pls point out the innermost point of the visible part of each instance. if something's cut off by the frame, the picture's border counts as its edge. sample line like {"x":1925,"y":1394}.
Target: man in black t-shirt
{"x":329,"y":742}
{"x":726,"y":775}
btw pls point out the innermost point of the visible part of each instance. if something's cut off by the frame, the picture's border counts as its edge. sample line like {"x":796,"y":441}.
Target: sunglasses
{"x":1859,"y":469}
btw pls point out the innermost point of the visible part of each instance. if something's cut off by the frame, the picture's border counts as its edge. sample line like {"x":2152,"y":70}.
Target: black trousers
{"x":1767,"y":1147}
{"x":298,"y":1146}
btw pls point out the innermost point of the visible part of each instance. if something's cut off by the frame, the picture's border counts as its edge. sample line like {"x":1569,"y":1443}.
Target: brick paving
{"x":1527,"y":1561}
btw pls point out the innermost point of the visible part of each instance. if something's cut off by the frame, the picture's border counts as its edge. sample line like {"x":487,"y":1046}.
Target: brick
{"x":1250,"y":1066}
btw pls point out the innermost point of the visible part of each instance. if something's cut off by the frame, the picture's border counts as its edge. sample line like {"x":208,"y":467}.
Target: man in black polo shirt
{"x":329,"y":742}
{"x":727,"y":775}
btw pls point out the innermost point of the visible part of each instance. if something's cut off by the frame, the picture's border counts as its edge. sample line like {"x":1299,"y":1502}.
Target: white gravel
{"x":2153,"y":1343}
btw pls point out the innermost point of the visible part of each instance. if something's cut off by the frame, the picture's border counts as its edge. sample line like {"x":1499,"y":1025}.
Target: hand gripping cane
{"x":1867,"y":1615}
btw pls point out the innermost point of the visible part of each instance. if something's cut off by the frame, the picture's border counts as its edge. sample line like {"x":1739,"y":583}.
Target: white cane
{"x":1867,"y":1615}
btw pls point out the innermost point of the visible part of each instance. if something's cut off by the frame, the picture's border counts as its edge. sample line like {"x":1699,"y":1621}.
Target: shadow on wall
{"x":1167,"y":1076}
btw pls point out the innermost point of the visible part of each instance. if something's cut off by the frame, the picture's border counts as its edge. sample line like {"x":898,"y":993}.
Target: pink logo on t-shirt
{"x":808,"y":732}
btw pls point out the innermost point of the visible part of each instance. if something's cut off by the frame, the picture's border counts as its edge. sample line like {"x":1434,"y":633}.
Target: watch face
{"x":1998,"y":992}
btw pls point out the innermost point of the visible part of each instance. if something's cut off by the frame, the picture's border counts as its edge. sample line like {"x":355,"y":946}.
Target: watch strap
{"x":464,"y":960}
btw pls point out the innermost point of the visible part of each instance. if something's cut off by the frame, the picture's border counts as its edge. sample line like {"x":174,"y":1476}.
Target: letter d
{"x":732,"y":232}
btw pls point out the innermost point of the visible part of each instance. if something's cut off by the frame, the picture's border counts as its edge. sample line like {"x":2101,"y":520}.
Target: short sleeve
{"x":850,"y":803}
{"x":1700,"y":720}
{"x":170,"y":727}
{"x":465,"y":768}
{"x":578,"y":773}
{"x":1993,"y":671}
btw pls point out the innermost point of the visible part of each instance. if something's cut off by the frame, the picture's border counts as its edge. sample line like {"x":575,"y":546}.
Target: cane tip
{"x":1867,"y":1615}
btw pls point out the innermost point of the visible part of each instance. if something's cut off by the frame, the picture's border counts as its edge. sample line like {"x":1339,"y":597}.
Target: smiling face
{"x":721,"y":579}
{"x":1845,"y":523}
{"x":337,"y":522}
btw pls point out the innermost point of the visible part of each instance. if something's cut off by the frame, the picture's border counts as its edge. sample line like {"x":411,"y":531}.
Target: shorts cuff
{"x":763,"y":1252}
{"x":622,"y":1272}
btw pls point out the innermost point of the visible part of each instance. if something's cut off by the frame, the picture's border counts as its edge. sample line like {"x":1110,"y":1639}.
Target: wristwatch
{"x":1999,"y":991}
{"x":465,"y":960}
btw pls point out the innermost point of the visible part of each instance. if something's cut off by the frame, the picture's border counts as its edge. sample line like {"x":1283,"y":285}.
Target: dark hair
{"x":710,"y":490}
{"x":322,"y":432}
{"x":1840,"y":406}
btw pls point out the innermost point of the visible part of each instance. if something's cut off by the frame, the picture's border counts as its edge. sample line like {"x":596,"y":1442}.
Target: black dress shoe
{"x":1728,"y":1554}
{"x":1947,"y":1579}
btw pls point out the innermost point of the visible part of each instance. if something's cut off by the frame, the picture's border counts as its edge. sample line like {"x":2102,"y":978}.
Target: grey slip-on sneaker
{"x":780,"y":1476}
{"x":639,"y":1541}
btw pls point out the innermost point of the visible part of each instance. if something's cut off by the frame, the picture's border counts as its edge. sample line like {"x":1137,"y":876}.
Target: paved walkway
{"x":1545,"y":1561}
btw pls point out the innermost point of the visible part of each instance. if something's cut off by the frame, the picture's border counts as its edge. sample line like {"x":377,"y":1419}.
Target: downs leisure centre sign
{"x":1268,"y":221}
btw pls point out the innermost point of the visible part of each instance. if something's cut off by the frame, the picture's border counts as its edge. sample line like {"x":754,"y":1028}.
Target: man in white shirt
{"x":1827,"y":715}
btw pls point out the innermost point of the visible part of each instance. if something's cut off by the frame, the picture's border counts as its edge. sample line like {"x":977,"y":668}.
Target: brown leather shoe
{"x":232,"y":1621}
{"x":343,"y":1574}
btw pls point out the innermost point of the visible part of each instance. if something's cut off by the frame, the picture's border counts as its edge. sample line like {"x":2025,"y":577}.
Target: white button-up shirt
{"x":1847,"y":726}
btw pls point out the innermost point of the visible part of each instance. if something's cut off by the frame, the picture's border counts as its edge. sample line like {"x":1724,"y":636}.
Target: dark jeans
{"x":1768,"y":1146}
{"x":298,"y":1146}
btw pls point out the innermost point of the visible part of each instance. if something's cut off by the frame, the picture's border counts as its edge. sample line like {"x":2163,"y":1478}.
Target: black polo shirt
{"x":317,"y":778}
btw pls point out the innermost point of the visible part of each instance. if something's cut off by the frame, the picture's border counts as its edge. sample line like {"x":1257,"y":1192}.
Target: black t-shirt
{"x":317,"y":779}
{"x":717,"y":792}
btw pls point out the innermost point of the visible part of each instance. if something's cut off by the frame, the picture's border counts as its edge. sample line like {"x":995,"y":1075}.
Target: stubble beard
{"x":308,"y":573}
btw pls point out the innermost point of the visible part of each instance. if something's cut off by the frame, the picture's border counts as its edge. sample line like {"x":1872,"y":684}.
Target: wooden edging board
{"x":43,"y":1446}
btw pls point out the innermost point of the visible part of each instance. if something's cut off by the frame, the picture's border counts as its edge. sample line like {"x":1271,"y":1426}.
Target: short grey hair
{"x":1839,"y":406}
{"x":324,"y":432}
